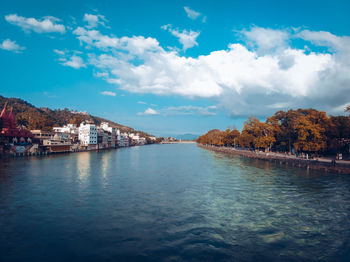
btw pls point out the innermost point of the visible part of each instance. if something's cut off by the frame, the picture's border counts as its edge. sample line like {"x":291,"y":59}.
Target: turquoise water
{"x":169,"y":203}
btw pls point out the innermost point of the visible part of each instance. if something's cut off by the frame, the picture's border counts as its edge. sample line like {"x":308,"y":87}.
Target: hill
{"x":45,"y":118}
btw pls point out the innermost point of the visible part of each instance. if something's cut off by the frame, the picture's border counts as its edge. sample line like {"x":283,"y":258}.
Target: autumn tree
{"x":230,"y":137}
{"x":338,"y":134}
{"x":310,"y":136}
{"x":257,"y":134}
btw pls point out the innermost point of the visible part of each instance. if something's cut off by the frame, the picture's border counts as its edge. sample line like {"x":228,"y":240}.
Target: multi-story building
{"x":57,"y":145}
{"x":41,"y":135}
{"x":111,"y":134}
{"x":63,"y":136}
{"x":124,"y":140}
{"x":137,"y":140}
{"x":102,"y":138}
{"x":117,"y":137}
{"x":88,"y":135}
{"x":142,"y":141}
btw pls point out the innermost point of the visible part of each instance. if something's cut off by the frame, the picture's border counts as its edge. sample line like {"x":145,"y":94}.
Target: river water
{"x":169,"y":203}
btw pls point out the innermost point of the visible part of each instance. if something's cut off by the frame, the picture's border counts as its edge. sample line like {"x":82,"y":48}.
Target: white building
{"x":88,"y":135}
{"x":142,"y":141}
{"x":137,"y":140}
{"x":117,"y":137}
{"x":105,"y":126}
{"x":70,"y":129}
{"x":124,"y":140}
{"x":63,"y":136}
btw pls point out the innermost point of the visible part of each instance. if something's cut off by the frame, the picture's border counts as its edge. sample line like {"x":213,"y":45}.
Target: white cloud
{"x":191,"y":13}
{"x":148,"y":111}
{"x":322,"y":38}
{"x":47,"y":24}
{"x":59,"y":52}
{"x":10,"y":45}
{"x":256,"y":77}
{"x":186,"y":38}
{"x":266,"y":39}
{"x":94,"y":20}
{"x":142,"y":103}
{"x":75,"y":61}
{"x":136,"y":45}
{"x":103,"y":75}
{"x":108,"y":93}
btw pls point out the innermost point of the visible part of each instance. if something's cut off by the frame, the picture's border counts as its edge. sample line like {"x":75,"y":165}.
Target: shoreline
{"x":7,"y":155}
{"x":340,"y":168}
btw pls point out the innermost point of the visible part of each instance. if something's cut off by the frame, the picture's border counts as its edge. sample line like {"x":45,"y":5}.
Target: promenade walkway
{"x":325,"y":164}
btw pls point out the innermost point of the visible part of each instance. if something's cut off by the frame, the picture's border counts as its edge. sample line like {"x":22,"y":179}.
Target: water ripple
{"x":170,"y":203}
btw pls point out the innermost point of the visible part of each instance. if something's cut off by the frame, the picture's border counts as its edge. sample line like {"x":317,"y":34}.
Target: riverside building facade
{"x":88,"y":136}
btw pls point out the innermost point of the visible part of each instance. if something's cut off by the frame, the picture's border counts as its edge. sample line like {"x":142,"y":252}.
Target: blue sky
{"x":175,"y":67}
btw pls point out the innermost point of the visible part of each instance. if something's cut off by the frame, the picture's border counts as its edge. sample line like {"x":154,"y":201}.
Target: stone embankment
{"x":342,"y":167}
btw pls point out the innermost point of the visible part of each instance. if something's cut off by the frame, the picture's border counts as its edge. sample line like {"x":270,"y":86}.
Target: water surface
{"x":170,"y":203}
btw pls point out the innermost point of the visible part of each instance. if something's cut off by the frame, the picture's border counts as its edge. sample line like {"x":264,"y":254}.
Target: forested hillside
{"x":44,"y":118}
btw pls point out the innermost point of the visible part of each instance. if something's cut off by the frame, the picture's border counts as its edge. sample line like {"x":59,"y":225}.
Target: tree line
{"x":301,"y":130}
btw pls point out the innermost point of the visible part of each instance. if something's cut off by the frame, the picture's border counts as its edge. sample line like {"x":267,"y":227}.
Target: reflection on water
{"x":170,"y":203}
{"x":83,"y":165}
{"x":106,"y":160}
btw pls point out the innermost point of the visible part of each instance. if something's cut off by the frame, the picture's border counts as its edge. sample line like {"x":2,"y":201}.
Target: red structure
{"x":9,"y":127}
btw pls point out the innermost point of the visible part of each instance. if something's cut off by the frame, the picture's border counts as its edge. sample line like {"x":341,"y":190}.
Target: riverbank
{"x":341,"y":167}
{"x":6,"y":155}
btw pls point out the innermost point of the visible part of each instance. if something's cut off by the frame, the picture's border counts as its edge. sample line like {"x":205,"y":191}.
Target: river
{"x":173,"y":202}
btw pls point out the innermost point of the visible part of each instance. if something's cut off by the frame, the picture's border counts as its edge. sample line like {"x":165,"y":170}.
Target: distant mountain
{"x":187,"y":137}
{"x":44,"y":118}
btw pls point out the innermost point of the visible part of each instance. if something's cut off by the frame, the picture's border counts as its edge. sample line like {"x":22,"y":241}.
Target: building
{"x":88,"y":136}
{"x":9,"y":132}
{"x":142,"y":141}
{"x":112,"y":134}
{"x":137,"y":140}
{"x":41,"y":135}
{"x":63,"y":136}
{"x":102,"y":138}
{"x":117,"y":137}
{"x":70,"y":129}
{"x":105,"y":126}
{"x":57,"y":145}
{"x":124,"y":140}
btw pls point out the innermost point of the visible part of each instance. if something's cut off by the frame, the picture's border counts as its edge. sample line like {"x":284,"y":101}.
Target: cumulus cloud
{"x":94,"y":20}
{"x":148,"y":111}
{"x":75,"y":61}
{"x":10,"y":45}
{"x":256,"y":77}
{"x":47,"y":24}
{"x":186,"y":38}
{"x":108,"y":93}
